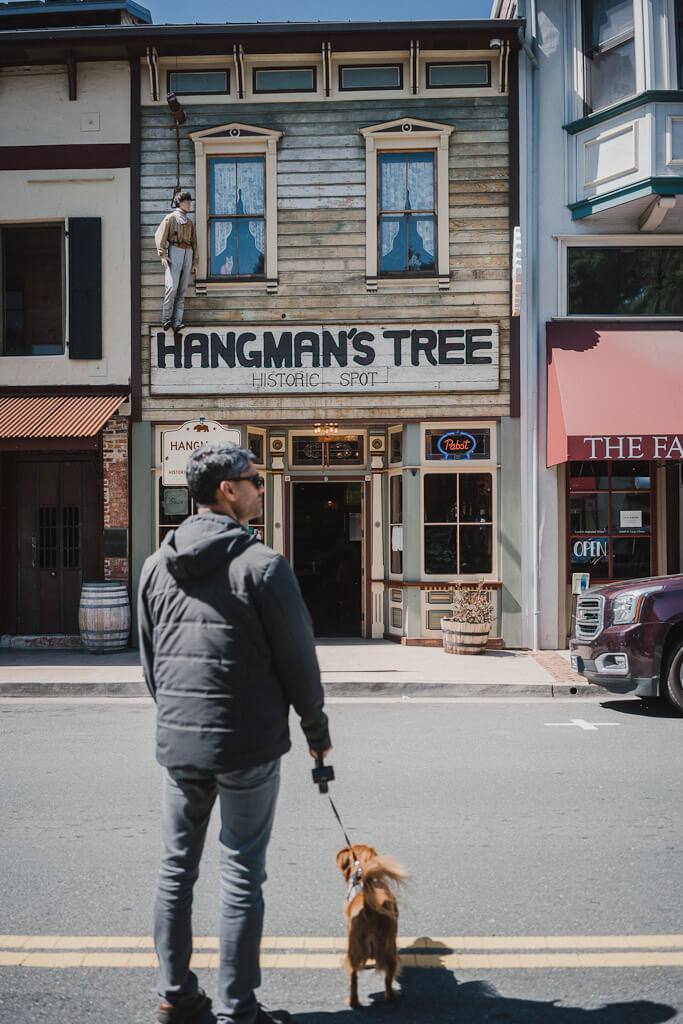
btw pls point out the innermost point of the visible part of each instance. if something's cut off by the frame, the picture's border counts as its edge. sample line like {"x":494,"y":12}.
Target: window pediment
{"x":407,"y":126}
{"x":235,"y":130}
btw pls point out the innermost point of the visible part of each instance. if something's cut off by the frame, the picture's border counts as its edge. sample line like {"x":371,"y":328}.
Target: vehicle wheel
{"x":674,"y":678}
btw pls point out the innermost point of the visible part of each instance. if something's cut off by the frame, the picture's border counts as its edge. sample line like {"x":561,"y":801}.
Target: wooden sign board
{"x":177,"y":445}
{"x":276,"y":359}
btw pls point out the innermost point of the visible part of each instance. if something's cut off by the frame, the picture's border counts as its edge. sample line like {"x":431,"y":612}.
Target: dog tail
{"x":381,"y":880}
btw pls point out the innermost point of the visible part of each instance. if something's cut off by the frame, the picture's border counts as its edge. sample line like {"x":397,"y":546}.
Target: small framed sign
{"x":631,"y":519}
{"x":581,"y":581}
{"x":176,"y":501}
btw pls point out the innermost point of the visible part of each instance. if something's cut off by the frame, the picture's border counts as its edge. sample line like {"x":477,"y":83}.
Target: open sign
{"x":457,"y":444}
{"x":593,"y":549}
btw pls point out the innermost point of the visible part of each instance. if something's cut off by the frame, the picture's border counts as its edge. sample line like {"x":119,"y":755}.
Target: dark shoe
{"x":178,"y":327}
{"x":167,"y":326}
{"x":170,"y":1013}
{"x":264,"y":1016}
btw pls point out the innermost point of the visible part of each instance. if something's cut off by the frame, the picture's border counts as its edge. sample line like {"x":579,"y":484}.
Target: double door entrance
{"x":51,"y":542}
{"x":328,"y":553}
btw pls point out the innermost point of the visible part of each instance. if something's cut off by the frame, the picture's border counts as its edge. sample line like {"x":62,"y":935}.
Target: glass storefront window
{"x":175,"y":505}
{"x":588,"y":476}
{"x":256,"y":443}
{"x":312,"y":450}
{"x":610,"y":519}
{"x":450,"y":444}
{"x":609,"y":280}
{"x":396,"y":522}
{"x":395,"y":446}
{"x":458,"y":523}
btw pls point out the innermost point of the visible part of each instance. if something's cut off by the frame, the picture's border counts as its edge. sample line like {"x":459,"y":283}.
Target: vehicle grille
{"x":589,"y":617}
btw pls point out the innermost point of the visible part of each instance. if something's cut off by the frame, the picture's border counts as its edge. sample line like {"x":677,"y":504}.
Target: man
{"x":227,"y":646}
{"x":176,"y":242}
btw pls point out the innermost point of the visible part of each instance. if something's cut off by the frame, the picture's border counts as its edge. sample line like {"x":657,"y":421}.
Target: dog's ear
{"x":343,"y":861}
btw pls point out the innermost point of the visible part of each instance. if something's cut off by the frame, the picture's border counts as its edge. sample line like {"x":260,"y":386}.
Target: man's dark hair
{"x":179,"y":198}
{"x":213,"y":462}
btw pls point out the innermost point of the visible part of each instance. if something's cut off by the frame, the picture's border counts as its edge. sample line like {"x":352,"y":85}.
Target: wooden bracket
{"x":71,"y":74}
{"x":153,"y":65}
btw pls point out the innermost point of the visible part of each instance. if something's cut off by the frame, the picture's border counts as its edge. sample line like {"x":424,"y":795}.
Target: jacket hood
{"x":202,"y":544}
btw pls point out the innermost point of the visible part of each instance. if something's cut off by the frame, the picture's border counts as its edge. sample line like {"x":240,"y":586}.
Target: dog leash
{"x":322,"y":774}
{"x":336,"y":814}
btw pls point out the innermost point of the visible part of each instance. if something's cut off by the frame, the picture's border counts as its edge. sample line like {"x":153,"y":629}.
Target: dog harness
{"x":355,"y":883}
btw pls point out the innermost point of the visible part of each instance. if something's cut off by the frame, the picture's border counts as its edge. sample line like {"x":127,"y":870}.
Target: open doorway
{"x":327,"y":534}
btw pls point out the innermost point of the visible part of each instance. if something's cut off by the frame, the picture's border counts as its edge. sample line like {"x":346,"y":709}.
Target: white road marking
{"x":583,"y":724}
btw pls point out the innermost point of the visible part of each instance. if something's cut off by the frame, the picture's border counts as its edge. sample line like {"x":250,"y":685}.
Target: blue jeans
{"x":247,"y":800}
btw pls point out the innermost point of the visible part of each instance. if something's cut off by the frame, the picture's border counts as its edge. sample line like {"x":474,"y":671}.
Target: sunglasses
{"x":257,"y":480}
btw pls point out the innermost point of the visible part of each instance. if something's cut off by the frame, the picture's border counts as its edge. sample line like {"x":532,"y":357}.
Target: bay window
{"x":609,"y":52}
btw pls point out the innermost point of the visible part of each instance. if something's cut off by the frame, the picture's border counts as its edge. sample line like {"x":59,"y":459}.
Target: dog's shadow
{"x":432,"y":995}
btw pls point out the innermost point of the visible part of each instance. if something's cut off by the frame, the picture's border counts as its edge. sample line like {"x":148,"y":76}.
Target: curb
{"x":338,"y":688}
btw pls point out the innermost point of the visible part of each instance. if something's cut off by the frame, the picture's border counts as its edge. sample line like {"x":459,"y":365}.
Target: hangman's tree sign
{"x":246,"y":359}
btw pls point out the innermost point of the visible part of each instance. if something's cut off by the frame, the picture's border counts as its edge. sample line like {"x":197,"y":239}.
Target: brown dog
{"x":371,"y":913}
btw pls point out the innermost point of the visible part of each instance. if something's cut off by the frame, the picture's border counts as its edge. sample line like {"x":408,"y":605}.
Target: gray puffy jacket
{"x":226,"y":645}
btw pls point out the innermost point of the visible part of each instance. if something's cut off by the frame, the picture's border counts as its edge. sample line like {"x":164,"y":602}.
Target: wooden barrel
{"x":104,"y":617}
{"x":464,"y":637}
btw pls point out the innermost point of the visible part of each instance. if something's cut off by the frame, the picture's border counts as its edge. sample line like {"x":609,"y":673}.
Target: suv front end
{"x":613,"y":643}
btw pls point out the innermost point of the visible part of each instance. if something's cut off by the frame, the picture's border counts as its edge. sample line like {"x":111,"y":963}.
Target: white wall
{"x":36,"y":111}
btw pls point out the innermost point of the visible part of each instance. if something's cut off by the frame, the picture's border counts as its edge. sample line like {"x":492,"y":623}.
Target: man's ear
{"x":227,"y":490}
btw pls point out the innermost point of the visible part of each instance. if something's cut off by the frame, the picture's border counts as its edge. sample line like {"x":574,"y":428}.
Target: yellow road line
{"x":446,"y":945}
{"x":321,"y":952}
{"x":317,"y":961}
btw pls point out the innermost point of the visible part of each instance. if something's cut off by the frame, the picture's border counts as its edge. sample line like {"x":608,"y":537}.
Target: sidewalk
{"x":350,"y":668}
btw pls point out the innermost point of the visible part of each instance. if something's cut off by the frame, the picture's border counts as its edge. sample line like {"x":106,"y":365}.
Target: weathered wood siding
{"x":321,"y":243}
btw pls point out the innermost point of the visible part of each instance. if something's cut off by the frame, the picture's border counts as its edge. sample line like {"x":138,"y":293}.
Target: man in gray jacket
{"x":227,"y":646}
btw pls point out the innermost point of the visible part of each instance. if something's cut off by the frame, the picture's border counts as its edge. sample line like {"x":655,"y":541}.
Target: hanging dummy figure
{"x":176,"y":241}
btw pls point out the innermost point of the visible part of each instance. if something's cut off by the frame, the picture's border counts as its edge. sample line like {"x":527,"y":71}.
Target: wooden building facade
{"x":354,"y":193}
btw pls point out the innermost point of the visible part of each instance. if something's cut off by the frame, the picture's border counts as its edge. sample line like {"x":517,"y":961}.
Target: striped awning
{"x":44,"y":415}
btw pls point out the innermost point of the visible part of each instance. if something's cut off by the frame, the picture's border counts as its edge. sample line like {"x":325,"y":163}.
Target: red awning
{"x":614,"y":392}
{"x":53,"y":416}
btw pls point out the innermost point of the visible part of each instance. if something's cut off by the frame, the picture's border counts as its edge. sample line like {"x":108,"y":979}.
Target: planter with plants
{"x":468,"y":630}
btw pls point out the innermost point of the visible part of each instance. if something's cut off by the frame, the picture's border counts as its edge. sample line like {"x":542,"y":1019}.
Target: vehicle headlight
{"x":626,"y":608}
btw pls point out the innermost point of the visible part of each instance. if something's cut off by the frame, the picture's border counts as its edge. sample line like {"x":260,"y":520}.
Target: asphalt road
{"x":513,"y":822}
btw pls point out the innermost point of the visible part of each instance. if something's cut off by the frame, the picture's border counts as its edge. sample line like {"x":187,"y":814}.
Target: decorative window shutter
{"x":85,"y":287}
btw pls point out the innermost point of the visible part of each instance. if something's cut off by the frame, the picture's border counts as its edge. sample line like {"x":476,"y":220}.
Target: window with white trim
{"x":406,"y":180}
{"x":396,"y":523}
{"x":458,"y":523}
{"x":236,"y":175}
{"x":640,"y":276}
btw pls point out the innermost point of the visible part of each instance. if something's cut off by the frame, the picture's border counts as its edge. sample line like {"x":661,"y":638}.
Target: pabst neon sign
{"x":457,"y":444}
